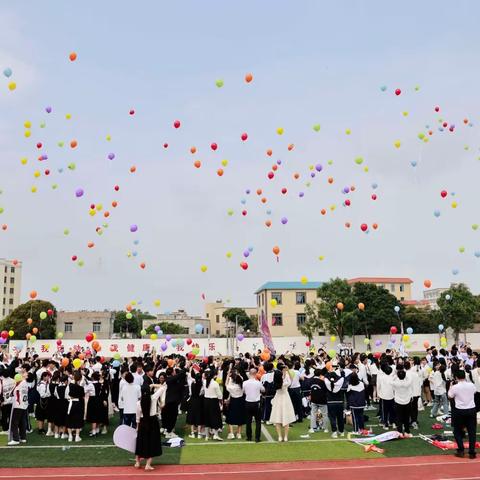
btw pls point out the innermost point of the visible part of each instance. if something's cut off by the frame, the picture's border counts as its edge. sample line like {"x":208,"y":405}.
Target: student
{"x":18,"y":422}
{"x":212,"y":406}
{"x":175,"y":381}
{"x":148,"y":444}
{"x":295,"y":391}
{"x":41,"y":410}
{"x":7,"y":385}
{"x":129,"y":396}
{"x":439,"y":382}
{"x":464,"y":414}
{"x":356,"y":400}
{"x":252,"y":388}
{"x":61,"y":408}
{"x":283,"y":413}
{"x":76,"y":407}
{"x":385,"y":393}
{"x":402,"y":391}
{"x":236,"y":411}
{"x":334,"y":384}
{"x":195,"y":405}
{"x":267,"y":382}
{"x":318,"y":403}
{"x":52,"y":403}
{"x":476,"y":381}
{"x":415,"y":375}
{"x":92,"y":392}
{"x":121,"y":384}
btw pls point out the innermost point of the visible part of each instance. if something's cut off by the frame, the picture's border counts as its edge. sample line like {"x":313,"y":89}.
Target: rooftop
{"x":289,"y":286}
{"x":415,"y":302}
{"x":380,"y":280}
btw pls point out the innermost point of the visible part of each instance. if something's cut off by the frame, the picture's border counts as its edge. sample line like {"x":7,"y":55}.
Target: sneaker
{"x":11,"y":443}
{"x":104,"y":431}
{"x":64,"y":436}
{"x":192,"y":435}
{"x":285,"y":439}
{"x":230,"y":436}
{"x":57,"y":436}
{"x":386,"y":427}
{"x":70,"y":438}
{"x":334,"y":435}
{"x":280,"y":439}
{"x":311,"y":430}
{"x":326,"y":430}
{"x":472,"y":456}
{"x":342,"y":434}
{"x":217,"y":438}
{"x":78,"y":439}
{"x":4,"y":433}
{"x":23,"y":441}
{"x":49,"y":434}
{"x":415,"y":425}
{"x":239,"y":436}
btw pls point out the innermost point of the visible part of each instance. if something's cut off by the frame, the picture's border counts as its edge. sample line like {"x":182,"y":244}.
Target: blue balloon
{"x":136,"y":242}
{"x":455,"y":271}
{"x":250,"y":249}
{"x":436,"y":213}
{"x":198,"y":328}
{"x":243,"y":201}
{"x":440,"y":328}
{"x":8,"y":72}
{"x":409,"y":330}
{"x":383,"y":88}
{"x":374,"y":185}
{"x":413,"y":163}
{"x":477,"y":253}
{"x":269,"y":212}
{"x":115,"y":364}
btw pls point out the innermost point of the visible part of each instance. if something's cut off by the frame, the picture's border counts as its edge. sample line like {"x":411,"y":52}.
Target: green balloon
{"x":359,"y":160}
{"x":332,"y":353}
{"x":72,"y":166}
{"x":43,"y":315}
{"x":66,"y":231}
{"x":60,"y":144}
{"x":475,"y":226}
{"x":143,"y":332}
{"x":18,"y":377}
{"x":219,"y":83}
{"x":33,"y":338}
{"x":129,"y":316}
{"x":316,"y":127}
{"x":81,"y":263}
{"x":54,"y":186}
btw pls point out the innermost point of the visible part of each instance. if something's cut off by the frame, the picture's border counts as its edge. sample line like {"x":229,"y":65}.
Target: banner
{"x":266,"y":335}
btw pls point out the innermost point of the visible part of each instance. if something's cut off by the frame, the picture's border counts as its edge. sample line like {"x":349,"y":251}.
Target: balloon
{"x":43,"y":315}
{"x":284,"y":220}
{"x":276,"y":250}
{"x":396,"y":308}
{"x":244,"y":265}
{"x":96,"y":346}
{"x":168,"y":338}
{"x":49,"y":312}
{"x":89,"y":337}
{"x":77,"y":363}
{"x":248,"y":77}
{"x":273,"y":302}
{"x":219,"y":83}
{"x":115,"y":364}
{"x":332,"y":353}
{"x":361,"y":306}
{"x":443,"y":193}
{"x":398,"y":92}
{"x":448,"y":296}
{"x":8,"y":72}
{"x":129,"y":316}
{"x":18,"y":377}
{"x":4,"y":334}
{"x":33,"y":294}
{"x":157,"y":328}
{"x":153,"y":336}
{"x":33,"y":338}
{"x":189,"y":341}
{"x":308,"y":343}
{"x":364,"y":227}
{"x":436,"y":213}
{"x":378,"y":343}
{"x":440,"y":328}
{"x":203,"y":268}
{"x":174,"y":342}
{"x":426,"y":344}
{"x":393,"y":330}
{"x":11,"y":333}
{"x":65,"y":362}
{"x":405,"y":338}
{"x":366,"y":341}
{"x":333,"y":338}
{"x":409,"y":330}
{"x":72,"y":56}
{"x":240,"y":337}
{"x":143,"y":332}
{"x":340,"y":306}
{"x":60,"y":335}
{"x":12,"y":86}
{"x":133,"y":228}
{"x":34,"y":330}
{"x":79,"y":192}
{"x":427,"y":283}
{"x":198,"y":328}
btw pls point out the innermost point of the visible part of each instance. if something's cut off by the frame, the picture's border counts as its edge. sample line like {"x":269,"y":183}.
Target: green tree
{"x":421,"y":320}
{"x":17,"y":320}
{"x":334,"y":320}
{"x":240,"y":316}
{"x":313,"y":323}
{"x":168,"y":327}
{"x":125,"y":326}
{"x":378,"y":314}
{"x":458,"y":309}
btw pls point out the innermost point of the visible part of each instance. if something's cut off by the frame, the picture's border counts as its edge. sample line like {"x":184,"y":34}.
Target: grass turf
{"x":98,"y":451}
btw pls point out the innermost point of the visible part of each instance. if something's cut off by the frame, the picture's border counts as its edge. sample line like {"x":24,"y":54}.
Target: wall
{"x":82,"y":323}
{"x":218,"y":346}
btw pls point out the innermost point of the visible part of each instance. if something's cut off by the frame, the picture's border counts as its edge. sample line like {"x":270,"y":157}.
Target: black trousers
{"x":358,"y":419}
{"x":465,"y":419}
{"x":414,"y":410}
{"x":18,"y":426}
{"x":403,"y":417}
{"x":169,"y":416}
{"x":267,"y":408}
{"x":6,"y":412}
{"x":388,"y":412}
{"x":296,"y":397}
{"x":335,"y":415}
{"x":253,"y":411}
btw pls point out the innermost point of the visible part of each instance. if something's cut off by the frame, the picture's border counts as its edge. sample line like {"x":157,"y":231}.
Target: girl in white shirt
{"x":236,"y":405}
{"x":402,"y":391}
{"x":212,"y":406}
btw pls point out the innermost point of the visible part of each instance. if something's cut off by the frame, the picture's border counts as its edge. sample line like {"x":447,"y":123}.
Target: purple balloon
{"x":240,"y":337}
{"x":301,"y":194}
{"x":133,"y":228}
{"x":346,"y":189}
{"x":157,"y":328}
{"x":246,"y":253}
{"x":79,"y":192}
{"x":312,"y":174}
{"x":2,"y":340}
{"x":378,"y":343}
{"x":279,"y":162}
{"x":168,"y":338}
{"x":163,"y":346}
{"x":247,"y":191}
{"x":284,"y":220}
{"x":44,"y":157}
{"x":111,"y":156}
{"x":48,"y":109}
{"x":318,"y":167}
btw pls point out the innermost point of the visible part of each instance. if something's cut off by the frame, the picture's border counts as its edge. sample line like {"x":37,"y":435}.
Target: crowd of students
{"x":149,"y":392}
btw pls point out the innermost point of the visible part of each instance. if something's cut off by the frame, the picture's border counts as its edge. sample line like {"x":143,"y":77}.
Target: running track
{"x":436,"y":467}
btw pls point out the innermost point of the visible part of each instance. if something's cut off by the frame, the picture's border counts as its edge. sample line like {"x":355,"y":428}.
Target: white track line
{"x":267,"y":435}
{"x":245,"y":472}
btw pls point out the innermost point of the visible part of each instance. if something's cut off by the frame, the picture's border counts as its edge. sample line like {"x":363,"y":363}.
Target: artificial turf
{"x":98,"y":451}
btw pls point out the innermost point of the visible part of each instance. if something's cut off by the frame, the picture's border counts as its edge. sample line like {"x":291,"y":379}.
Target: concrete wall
{"x":82,"y":323}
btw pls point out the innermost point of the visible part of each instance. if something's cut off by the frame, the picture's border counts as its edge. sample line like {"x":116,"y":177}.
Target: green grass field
{"x":41,"y":451}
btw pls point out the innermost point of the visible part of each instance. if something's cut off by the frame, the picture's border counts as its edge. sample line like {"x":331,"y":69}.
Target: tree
{"x":333,"y":319}
{"x":123,"y":325}
{"x":312,"y":323}
{"x":458,"y":308}
{"x":17,"y":320}
{"x":421,"y":320}
{"x":168,"y":328}
{"x":378,"y":314}
{"x":239,"y":316}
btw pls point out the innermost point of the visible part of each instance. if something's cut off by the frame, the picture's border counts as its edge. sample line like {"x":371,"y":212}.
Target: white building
{"x":11,"y":279}
{"x":433,"y":295}
{"x":181,"y":318}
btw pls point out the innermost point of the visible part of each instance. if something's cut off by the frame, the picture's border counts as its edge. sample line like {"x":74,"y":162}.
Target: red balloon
{"x":116,"y":188}
{"x":244,"y":136}
{"x":374,"y":197}
{"x":89,"y":337}
{"x":165,"y":145}
{"x":74,"y":258}
{"x":393,"y":330}
{"x":132,"y":112}
{"x":347,"y":202}
{"x":50,"y":312}
{"x":437,"y":109}
{"x":443,"y":193}
{"x":307,"y":343}
{"x":244,"y":265}
{"x":364,"y":227}
{"x":213,"y":146}
{"x":398,"y":92}
{"x":4,"y":334}
{"x":189,"y":341}
{"x":284,"y":190}
{"x":39,"y":145}
{"x":176,"y":123}
{"x":270,"y":175}
{"x":244,"y":213}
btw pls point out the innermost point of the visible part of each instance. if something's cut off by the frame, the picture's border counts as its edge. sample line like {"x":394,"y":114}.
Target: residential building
{"x":75,"y":325}
{"x":421,"y":304}
{"x":181,"y":318}
{"x":214,"y":314}
{"x":285,"y":318}
{"x":432,"y":295}
{"x":398,"y":286}
{"x":10,"y":286}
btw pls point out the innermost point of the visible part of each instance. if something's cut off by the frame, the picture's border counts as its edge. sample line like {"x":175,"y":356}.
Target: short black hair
{"x":460,"y":374}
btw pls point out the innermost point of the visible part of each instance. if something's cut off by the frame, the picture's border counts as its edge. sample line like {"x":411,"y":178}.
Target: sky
{"x":313,"y":63}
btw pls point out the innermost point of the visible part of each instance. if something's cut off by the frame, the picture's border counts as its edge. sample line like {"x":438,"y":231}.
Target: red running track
{"x":435,"y":467}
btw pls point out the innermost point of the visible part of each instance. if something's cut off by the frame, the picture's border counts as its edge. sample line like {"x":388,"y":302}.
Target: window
{"x":277,"y":320}
{"x":278,"y":297}
{"x":402,"y":287}
{"x":10,"y":311}
{"x":217,"y":318}
{"x":6,"y":269}
{"x":68,"y":327}
{"x":3,"y":312}
{"x":402,"y":299}
{"x":12,"y":280}
{"x":4,"y":300}
{"x":217,"y":332}
{"x":12,"y":270}
{"x":96,"y":326}
{"x":392,"y":287}
{"x":4,"y":290}
{"x":11,"y":291}
{"x":10,"y":301}
{"x":258,"y":300}
{"x":301,"y":317}
{"x":301,"y":298}
{"x":263,"y":299}
{"x":208,"y":315}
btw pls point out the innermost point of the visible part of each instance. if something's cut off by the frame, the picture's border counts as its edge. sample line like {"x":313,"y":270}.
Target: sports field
{"x":41,"y":451}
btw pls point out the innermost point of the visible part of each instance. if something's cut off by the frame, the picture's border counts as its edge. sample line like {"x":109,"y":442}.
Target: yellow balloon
{"x":405,"y":338}
{"x":273,"y":302}
{"x":36,"y":174}
{"x":92,"y":212}
{"x":77,"y":363}
{"x":229,"y":254}
{"x":333,"y":338}
{"x":397,"y":144}
{"x":33,"y":189}
{"x":304,"y":280}
{"x":68,"y":116}
{"x":108,"y":138}
{"x":156,"y":303}
{"x":321,"y":258}
{"x":153,"y":336}
{"x":12,"y":86}
{"x":99,"y":207}
{"x":24,"y":160}
{"x":203,"y":268}
{"x":454,"y":204}
{"x":280,"y":130}
{"x":224,"y":163}
{"x":27,"y":124}
{"x":405,"y":114}
{"x":27,"y":133}
{"x":348,"y":131}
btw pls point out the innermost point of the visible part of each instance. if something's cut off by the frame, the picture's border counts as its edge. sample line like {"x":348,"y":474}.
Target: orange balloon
{"x":330,"y":179}
{"x":259,"y":191}
{"x":248,"y":77}
{"x":29,"y":321}
{"x":276,"y":250}
{"x":73,"y":144}
{"x":220,"y":172}
{"x":96,"y":346}
{"x":114,"y":204}
{"x":72,"y":56}
{"x":193,"y":150}
{"x":340,"y":306}
{"x":264,"y":200}
{"x":197,"y":163}
{"x":106,"y":214}
{"x":296,"y":176}
{"x":268,"y":223}
{"x":65,"y":362}
{"x":34,"y":330}
{"x":427,"y":283}
{"x":291,"y":147}
{"x":128,"y":308}
{"x":133,"y":169}
{"x":323,"y":211}
{"x":269,"y":152}
{"x":361,"y":306}
{"x":33,"y":294}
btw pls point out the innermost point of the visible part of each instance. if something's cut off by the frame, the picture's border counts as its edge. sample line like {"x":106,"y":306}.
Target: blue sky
{"x":313,"y":62}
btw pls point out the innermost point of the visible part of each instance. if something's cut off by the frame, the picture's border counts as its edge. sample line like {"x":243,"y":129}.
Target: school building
{"x":11,"y":278}
{"x":399,"y":286}
{"x":75,"y":325}
{"x":218,"y":324}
